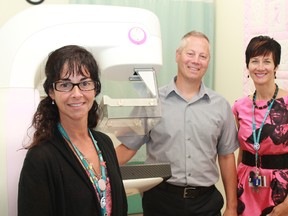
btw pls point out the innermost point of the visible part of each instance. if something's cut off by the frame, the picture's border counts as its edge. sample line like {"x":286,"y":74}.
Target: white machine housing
{"x":121,"y":38}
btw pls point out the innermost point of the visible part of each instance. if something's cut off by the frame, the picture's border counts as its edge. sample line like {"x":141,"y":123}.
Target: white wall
{"x":229,"y":55}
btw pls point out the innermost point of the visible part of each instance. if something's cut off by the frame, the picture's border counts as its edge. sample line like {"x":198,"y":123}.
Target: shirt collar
{"x":203,"y":93}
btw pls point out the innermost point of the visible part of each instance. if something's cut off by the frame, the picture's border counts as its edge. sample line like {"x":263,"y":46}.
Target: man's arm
{"x":239,"y":159}
{"x":229,"y":178}
{"x":124,"y":154}
{"x":240,"y":153}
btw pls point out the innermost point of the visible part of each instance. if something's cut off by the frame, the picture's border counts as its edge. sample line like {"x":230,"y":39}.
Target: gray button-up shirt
{"x":190,"y":134}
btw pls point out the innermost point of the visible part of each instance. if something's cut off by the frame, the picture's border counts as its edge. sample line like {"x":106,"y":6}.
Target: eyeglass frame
{"x":73,"y":85}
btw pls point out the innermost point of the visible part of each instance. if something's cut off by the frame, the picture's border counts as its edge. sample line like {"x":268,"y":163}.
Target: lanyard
{"x":256,"y":137}
{"x":100,"y":184}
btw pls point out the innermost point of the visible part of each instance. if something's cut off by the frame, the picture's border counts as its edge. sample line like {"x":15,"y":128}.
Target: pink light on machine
{"x":137,"y":35}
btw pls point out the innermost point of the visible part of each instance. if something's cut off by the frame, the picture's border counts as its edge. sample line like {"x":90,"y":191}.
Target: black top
{"x":53,"y":181}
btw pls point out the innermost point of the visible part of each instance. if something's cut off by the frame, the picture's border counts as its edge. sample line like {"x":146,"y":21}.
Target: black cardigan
{"x":54,"y":183}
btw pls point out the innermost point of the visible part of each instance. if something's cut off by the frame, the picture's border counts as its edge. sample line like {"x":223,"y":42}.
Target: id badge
{"x":256,"y":180}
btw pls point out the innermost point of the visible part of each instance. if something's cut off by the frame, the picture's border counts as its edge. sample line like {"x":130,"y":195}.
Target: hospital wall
{"x":228,"y":56}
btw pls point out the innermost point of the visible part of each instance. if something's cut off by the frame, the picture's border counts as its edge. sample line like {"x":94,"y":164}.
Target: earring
{"x":53,"y":102}
{"x":275,"y":75}
{"x":248,"y":76}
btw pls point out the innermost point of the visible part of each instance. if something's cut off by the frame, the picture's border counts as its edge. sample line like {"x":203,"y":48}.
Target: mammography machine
{"x":127,"y":45}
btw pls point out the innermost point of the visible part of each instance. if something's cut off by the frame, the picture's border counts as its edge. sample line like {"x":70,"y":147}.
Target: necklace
{"x":98,"y":183}
{"x":269,"y":102}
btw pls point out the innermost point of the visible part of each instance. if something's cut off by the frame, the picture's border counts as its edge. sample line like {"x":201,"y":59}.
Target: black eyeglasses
{"x":63,"y":86}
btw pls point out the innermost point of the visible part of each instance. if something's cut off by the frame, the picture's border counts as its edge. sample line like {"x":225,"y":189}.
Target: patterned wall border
{"x":267,"y":17}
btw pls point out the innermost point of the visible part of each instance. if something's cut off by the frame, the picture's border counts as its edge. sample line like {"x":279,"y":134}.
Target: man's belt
{"x":266,"y":161}
{"x":188,"y":192}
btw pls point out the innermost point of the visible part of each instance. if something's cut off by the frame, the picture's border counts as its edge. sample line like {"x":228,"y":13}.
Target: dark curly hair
{"x":78,"y":61}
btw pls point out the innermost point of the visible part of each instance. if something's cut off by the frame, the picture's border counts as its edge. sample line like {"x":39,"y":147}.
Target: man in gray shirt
{"x":197,"y":125}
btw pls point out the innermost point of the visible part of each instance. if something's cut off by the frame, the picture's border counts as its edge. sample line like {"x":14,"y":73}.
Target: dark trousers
{"x":160,"y":202}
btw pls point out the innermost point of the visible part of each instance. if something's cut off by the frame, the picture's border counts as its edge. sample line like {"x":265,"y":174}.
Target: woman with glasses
{"x":70,"y":169}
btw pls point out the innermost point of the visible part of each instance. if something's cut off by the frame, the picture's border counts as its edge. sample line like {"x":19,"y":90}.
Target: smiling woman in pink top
{"x":262,"y":120}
